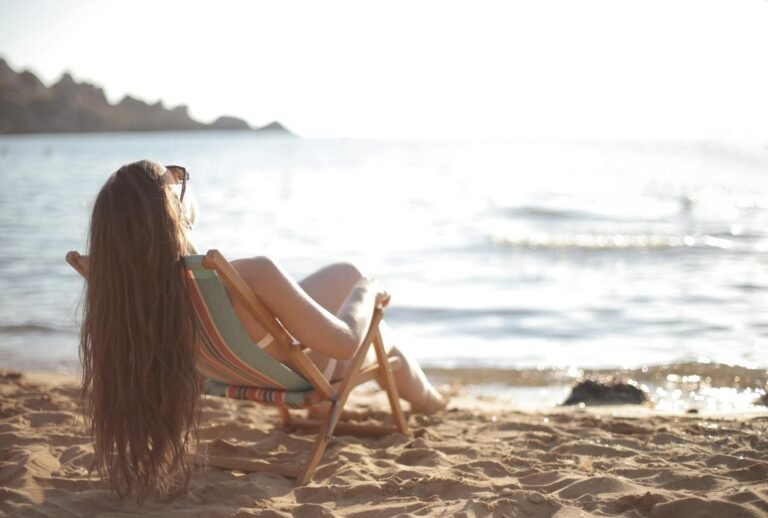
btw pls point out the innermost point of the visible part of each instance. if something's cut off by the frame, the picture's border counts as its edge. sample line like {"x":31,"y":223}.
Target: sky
{"x":669,"y":69}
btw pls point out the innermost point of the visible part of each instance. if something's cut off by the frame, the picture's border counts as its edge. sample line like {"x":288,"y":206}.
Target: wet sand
{"x":478,"y":458}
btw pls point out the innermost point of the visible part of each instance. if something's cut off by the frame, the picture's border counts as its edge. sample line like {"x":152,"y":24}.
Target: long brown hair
{"x":137,"y":343}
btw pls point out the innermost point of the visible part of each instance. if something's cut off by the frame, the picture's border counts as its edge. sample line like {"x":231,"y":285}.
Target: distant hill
{"x":28,"y":106}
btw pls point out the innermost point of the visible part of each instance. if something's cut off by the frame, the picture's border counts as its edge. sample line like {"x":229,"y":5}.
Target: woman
{"x":140,"y":383}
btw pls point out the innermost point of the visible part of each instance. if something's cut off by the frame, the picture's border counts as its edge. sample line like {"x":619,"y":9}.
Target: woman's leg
{"x":330,"y":287}
{"x":412,"y":383}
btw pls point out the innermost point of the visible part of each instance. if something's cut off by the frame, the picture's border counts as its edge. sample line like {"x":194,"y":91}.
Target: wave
{"x":538,"y":212}
{"x":426,"y":314}
{"x":591,"y":242}
{"x":617,"y":213}
{"x":31,"y":328}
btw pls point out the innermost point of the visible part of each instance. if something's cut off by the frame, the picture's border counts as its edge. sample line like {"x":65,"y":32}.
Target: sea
{"x":535,"y":262}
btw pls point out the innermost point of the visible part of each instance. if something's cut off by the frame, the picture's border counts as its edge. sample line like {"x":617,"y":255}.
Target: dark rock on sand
{"x":762,"y":400}
{"x":606,"y":392}
{"x":6,"y":375}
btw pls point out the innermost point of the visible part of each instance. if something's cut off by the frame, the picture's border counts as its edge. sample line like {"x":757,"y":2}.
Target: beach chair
{"x":286,"y":378}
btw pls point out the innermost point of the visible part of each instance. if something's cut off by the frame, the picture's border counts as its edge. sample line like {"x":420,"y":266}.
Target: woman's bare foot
{"x":433,"y":402}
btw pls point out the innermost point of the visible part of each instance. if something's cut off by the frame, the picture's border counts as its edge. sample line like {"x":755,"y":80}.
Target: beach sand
{"x":478,"y":458}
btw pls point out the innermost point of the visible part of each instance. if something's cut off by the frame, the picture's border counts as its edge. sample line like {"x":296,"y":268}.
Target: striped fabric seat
{"x":285,"y":398}
{"x":234,"y":365}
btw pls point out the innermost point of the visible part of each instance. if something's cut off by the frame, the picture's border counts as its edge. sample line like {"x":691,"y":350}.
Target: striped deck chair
{"x":236,"y":367}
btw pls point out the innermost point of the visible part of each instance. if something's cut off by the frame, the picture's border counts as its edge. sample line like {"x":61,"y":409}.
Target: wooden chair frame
{"x":287,"y":350}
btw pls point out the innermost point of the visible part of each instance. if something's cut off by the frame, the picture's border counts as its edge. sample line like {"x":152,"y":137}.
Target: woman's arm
{"x":337,"y":336}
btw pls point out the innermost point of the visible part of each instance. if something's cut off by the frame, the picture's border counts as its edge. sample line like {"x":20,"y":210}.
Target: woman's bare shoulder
{"x":256,"y":264}
{"x":262,"y":272}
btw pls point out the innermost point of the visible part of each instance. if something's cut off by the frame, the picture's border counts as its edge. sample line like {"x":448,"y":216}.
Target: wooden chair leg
{"x":329,"y":423}
{"x":318,"y":448}
{"x":388,"y":381}
{"x":285,"y":415}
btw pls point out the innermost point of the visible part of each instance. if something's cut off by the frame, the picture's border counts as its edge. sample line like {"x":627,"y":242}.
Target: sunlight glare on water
{"x":505,"y":253}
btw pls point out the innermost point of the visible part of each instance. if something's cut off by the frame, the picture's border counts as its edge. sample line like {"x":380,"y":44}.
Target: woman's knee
{"x":331,"y":285}
{"x":346,"y":273}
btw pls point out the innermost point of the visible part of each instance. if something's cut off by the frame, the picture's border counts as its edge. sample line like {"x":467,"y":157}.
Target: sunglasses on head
{"x":181,"y":175}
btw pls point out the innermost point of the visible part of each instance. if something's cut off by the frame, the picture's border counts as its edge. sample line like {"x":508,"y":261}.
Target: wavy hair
{"x":137,"y":343}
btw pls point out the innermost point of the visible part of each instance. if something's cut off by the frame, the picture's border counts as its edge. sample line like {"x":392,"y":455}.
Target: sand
{"x":478,"y":458}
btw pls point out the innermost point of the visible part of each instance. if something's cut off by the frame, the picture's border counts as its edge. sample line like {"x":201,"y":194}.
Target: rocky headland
{"x":68,"y":106}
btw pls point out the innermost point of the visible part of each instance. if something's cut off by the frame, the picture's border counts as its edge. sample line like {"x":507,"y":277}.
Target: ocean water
{"x":504,"y":254}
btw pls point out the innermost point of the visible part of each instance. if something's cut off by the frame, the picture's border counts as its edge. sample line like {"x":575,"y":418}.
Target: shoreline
{"x":676,"y":389}
{"x":479,"y":457}
{"x":713,"y":373}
